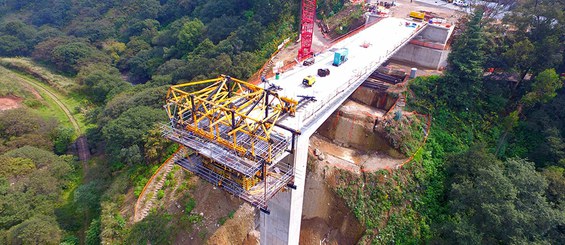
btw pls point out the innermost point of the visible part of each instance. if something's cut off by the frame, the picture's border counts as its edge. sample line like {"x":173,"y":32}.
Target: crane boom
{"x":307,"y":28}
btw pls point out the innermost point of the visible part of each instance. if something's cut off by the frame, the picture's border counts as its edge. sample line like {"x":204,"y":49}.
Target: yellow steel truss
{"x":228,"y":102}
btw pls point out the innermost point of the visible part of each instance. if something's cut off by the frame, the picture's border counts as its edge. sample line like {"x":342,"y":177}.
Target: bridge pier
{"x":282,"y":225}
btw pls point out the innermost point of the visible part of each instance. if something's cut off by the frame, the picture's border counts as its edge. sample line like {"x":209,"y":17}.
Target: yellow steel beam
{"x":214,"y":104}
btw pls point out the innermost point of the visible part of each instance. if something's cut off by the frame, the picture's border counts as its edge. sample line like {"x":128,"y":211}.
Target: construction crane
{"x":307,"y":28}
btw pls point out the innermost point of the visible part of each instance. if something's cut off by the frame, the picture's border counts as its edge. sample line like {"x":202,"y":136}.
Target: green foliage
{"x":507,"y":198}
{"x":39,"y":229}
{"x":189,"y":34}
{"x":327,"y":8}
{"x":93,"y":233}
{"x":406,"y":133}
{"x":190,"y":205}
{"x":125,"y":133}
{"x":63,"y":139}
{"x":87,"y":196}
{"x":154,"y":229}
{"x":70,"y":57}
{"x":22,"y":127}
{"x":555,"y":177}
{"x":15,"y":166}
{"x":11,"y":46}
{"x":463,"y":78}
{"x":194,"y":218}
{"x":544,"y":88}
{"x":160,"y":194}
{"x":70,"y":240}
{"x":101,"y":82}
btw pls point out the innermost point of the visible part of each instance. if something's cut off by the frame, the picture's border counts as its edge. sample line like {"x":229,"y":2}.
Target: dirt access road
{"x":81,"y":142}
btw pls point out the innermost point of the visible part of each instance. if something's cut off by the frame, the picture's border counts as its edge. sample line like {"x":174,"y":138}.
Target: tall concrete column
{"x":282,"y":226}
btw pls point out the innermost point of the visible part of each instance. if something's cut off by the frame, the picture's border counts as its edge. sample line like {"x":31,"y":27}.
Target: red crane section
{"x":307,"y":28}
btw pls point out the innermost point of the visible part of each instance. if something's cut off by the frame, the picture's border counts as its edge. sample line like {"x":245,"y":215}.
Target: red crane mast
{"x":307,"y":28}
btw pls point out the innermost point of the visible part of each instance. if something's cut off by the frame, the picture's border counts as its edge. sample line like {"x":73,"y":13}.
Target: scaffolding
{"x":232,"y":126}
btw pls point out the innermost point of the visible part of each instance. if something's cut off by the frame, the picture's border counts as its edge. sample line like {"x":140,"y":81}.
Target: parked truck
{"x":340,"y":56}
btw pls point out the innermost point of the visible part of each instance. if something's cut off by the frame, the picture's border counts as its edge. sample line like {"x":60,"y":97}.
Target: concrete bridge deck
{"x":385,"y":38}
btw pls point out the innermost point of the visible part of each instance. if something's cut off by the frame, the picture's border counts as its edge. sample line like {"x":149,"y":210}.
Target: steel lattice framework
{"x":307,"y":28}
{"x":235,"y":114}
{"x":230,"y":126}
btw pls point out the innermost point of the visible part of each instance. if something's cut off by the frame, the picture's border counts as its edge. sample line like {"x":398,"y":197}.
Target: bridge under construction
{"x":252,"y":140}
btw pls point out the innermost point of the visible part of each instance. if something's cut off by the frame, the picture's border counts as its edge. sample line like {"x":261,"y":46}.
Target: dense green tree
{"x":37,"y":178}
{"x":93,"y":31}
{"x":155,"y":145}
{"x":141,"y":9}
{"x":544,"y":88}
{"x":220,"y":28}
{"x":149,"y":96}
{"x":130,"y":128}
{"x":53,"y":12}
{"x":556,"y":179}
{"x":189,"y":35}
{"x":44,"y":50}
{"x":145,"y":29}
{"x":172,"y":10}
{"x":93,"y":233}
{"x":70,"y":57}
{"x":15,"y":166}
{"x":541,"y":22}
{"x":101,"y":82}
{"x":12,"y":46}
{"x":87,"y":197}
{"x":143,"y":64}
{"x":40,"y":229}
{"x":22,"y":127}
{"x":462,"y":82}
{"x":493,"y":202}
{"x":47,"y":32}
{"x":62,"y":139}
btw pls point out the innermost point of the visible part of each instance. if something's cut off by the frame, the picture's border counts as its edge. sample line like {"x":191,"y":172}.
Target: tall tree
{"x":463,"y":78}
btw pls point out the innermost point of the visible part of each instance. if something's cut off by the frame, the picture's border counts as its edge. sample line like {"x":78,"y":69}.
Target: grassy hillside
{"x":42,"y":97}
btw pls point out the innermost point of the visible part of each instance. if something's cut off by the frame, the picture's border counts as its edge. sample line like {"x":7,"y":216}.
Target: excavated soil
{"x":325,"y":217}
{"x":350,"y":159}
{"x":235,"y":230}
{"x":212,"y":204}
{"x":10,"y":102}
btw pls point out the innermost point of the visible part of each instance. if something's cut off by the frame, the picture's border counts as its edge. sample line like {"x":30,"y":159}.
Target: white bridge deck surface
{"x":385,"y":38}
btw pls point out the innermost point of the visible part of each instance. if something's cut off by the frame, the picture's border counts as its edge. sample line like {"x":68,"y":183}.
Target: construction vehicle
{"x":417,"y":15}
{"x":323,"y":72}
{"x":309,"y":81}
{"x":309,"y":62}
{"x":340,"y":56}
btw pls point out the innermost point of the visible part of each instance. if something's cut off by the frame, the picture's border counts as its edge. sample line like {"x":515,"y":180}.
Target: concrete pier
{"x":276,"y":227}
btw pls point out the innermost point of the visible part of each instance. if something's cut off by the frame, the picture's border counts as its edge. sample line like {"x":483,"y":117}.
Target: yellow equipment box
{"x":417,"y":15}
